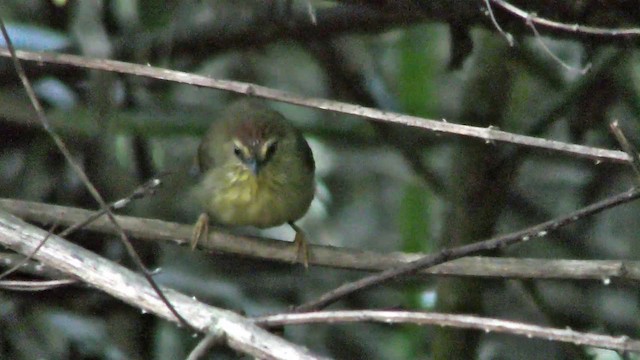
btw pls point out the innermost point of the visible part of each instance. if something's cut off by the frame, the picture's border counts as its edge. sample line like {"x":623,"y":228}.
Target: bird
{"x":257,"y":170}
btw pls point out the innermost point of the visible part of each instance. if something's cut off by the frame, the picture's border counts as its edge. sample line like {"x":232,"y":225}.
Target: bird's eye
{"x":237,"y":151}
{"x":271,"y":148}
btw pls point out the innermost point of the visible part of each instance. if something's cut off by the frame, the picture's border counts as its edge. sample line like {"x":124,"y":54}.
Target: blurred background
{"x":380,"y":187}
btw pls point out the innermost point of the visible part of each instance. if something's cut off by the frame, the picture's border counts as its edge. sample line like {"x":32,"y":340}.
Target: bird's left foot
{"x":300,"y":241}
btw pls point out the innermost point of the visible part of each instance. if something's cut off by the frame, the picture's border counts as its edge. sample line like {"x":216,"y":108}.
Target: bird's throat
{"x":248,"y":199}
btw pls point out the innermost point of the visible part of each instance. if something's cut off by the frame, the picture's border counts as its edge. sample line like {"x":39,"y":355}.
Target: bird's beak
{"x":254,"y":165}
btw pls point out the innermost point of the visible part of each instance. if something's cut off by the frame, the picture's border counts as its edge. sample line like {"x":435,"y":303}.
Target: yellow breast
{"x":236,"y":197}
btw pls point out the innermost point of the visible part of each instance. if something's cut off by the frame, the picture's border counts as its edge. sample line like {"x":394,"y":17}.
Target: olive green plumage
{"x":258,"y":169}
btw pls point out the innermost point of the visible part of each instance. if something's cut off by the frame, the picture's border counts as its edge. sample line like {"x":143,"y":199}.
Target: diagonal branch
{"x":240,"y":333}
{"x":62,"y":147}
{"x":620,"y":343}
{"x":489,"y":135}
{"x":537,"y":231}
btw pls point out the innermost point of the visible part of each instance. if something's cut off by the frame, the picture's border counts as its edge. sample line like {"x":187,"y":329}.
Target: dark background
{"x":380,"y":187}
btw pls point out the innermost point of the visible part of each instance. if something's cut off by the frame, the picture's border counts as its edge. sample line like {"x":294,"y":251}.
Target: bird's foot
{"x":300,"y":241}
{"x":200,"y":230}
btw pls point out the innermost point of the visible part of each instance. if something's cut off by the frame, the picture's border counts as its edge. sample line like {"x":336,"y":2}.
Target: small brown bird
{"x":258,"y":170}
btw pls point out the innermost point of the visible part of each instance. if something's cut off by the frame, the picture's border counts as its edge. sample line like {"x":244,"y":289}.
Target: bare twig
{"x":530,"y":23}
{"x":31,"y":267}
{"x":241,"y":334}
{"x":344,"y":258}
{"x":619,"y":343}
{"x":627,"y":147}
{"x":140,"y":192}
{"x":489,"y":135}
{"x":506,"y":35}
{"x":214,"y":337}
{"x":537,"y":231}
{"x":203,"y":39}
{"x":575,"y":28}
{"x":312,"y":13}
{"x":78,"y":169}
{"x":581,"y":71}
{"x":35,"y":285}
{"x":27,"y":258}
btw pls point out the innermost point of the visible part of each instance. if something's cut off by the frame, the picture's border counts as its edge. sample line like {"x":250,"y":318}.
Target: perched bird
{"x":258,"y":170}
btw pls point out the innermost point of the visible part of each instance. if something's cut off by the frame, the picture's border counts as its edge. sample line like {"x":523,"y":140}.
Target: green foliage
{"x":418,"y":66}
{"x":157,"y":14}
{"x":123,"y":129}
{"x":413,"y":219}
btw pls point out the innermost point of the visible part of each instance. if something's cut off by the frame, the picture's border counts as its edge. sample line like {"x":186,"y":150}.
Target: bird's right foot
{"x":200,"y":230}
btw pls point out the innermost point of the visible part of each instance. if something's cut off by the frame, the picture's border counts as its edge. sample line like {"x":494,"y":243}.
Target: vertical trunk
{"x":479,"y":182}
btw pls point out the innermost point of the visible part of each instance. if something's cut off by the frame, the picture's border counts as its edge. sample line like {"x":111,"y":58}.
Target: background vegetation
{"x":381,"y":187}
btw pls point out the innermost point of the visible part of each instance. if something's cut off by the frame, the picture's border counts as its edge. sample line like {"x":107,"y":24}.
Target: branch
{"x":29,"y":267}
{"x":620,"y":343}
{"x":240,"y":333}
{"x":208,"y":36}
{"x":537,"y":231}
{"x":573,"y":21}
{"x":531,"y":17}
{"x":329,"y":256}
{"x":31,"y":285}
{"x":77,"y":169}
{"x":626,"y":146}
{"x":488,"y":135}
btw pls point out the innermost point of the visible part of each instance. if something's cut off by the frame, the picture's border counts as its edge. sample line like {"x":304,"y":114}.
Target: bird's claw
{"x":200,"y":230}
{"x":300,"y":241}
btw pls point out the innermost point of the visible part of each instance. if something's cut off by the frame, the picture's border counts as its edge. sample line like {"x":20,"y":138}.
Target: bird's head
{"x":255,"y":143}
{"x":251,"y":136}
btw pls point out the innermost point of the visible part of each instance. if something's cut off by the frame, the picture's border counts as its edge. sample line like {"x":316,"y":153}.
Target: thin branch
{"x":215,"y":34}
{"x":78,"y":169}
{"x":537,"y":231}
{"x":489,"y":135}
{"x":560,"y":106}
{"x":530,"y":23}
{"x":34,"y":285}
{"x":312,"y":13}
{"x":495,"y":23}
{"x":30,"y":267}
{"x":575,"y":28}
{"x":140,"y":192}
{"x":241,"y":333}
{"x":213,"y":338}
{"x":619,"y":343}
{"x":329,"y":256}
{"x":581,"y":71}
{"x":627,"y":147}
{"x":27,"y":258}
